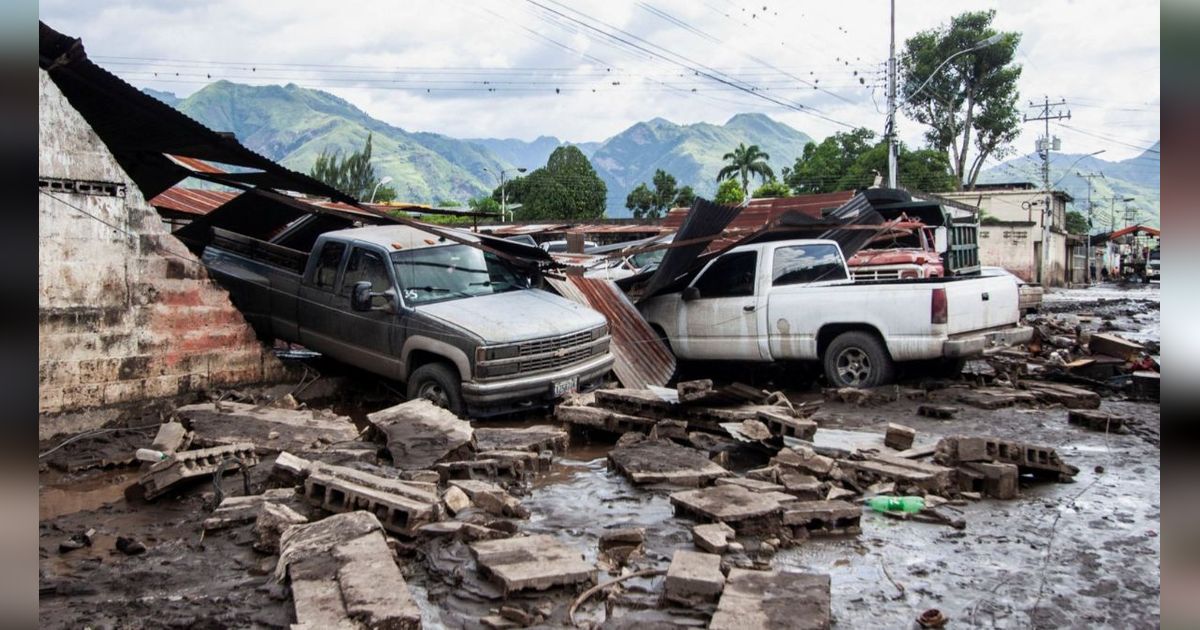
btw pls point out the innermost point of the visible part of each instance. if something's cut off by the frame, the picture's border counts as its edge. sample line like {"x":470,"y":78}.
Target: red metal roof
{"x":759,"y":212}
{"x":1133,"y":229}
{"x":196,"y":201}
{"x":642,"y":359}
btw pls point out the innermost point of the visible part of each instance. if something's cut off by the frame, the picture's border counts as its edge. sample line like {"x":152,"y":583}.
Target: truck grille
{"x":541,"y":346}
{"x":549,"y":362}
{"x":869,"y":275}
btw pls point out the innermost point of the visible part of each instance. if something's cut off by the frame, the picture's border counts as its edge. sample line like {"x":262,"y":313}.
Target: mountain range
{"x":292,"y":125}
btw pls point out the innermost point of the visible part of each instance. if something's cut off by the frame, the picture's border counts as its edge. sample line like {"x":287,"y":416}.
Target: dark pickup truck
{"x":458,"y":325}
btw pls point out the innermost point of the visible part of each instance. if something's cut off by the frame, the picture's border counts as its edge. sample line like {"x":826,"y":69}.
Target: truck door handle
{"x":749,"y":308}
{"x":985,"y":296}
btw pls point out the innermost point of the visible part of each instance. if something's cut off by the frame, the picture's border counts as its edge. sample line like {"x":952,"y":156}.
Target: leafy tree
{"x":566,"y":188}
{"x":665,"y":190}
{"x":352,"y":174}
{"x":684,"y":198}
{"x":640,"y":200}
{"x":1077,"y":223}
{"x":851,"y":160}
{"x":730,"y":193}
{"x":773,"y":188}
{"x":484,"y":204}
{"x":745,"y":161}
{"x":970,"y":105}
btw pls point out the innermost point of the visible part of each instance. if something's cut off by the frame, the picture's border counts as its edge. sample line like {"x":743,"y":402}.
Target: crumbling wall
{"x":125,"y":312}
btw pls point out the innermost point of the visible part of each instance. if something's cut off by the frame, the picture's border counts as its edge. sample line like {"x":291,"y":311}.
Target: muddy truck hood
{"x":515,"y":315}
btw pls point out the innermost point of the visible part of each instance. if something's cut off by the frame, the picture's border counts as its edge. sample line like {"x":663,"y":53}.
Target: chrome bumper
{"x":535,"y":388}
{"x":976,"y":344}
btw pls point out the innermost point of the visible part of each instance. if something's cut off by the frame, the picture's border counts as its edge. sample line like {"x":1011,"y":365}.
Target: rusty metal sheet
{"x":641,"y":358}
{"x":705,"y":219}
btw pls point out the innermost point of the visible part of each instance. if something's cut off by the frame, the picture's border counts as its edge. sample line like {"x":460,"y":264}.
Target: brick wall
{"x":126,"y":312}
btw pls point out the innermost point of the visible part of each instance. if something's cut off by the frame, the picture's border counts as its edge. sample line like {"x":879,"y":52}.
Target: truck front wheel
{"x":857,"y":359}
{"x":437,"y":383}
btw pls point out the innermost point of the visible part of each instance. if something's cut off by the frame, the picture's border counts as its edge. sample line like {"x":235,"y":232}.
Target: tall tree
{"x":652,"y":204}
{"x":745,"y":161}
{"x":352,"y":174}
{"x":970,"y":105}
{"x":640,"y":200}
{"x":665,"y":189}
{"x":567,"y":187}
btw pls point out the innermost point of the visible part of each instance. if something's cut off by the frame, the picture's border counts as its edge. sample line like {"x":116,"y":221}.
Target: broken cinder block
{"x":712,"y":537}
{"x":787,"y":426}
{"x":196,"y":463}
{"x":823,"y":518}
{"x":420,"y":434}
{"x":646,"y":461}
{"x":532,"y":562}
{"x":899,"y":437}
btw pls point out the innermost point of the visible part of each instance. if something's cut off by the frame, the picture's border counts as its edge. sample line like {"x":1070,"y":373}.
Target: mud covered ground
{"x":1077,"y":555}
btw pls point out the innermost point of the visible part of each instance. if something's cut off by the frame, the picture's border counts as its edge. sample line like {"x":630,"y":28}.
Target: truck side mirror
{"x":691,"y":293}
{"x":360,"y":296}
{"x":940,"y":241}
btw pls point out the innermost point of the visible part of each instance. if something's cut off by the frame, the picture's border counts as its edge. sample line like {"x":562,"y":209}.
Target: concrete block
{"x":602,"y":419}
{"x":1097,"y":420}
{"x":663,"y":461}
{"x":196,"y":463}
{"x":694,"y":576}
{"x":907,"y":474}
{"x":398,"y":513}
{"x":823,"y":518}
{"x":899,"y":436}
{"x":456,"y":500}
{"x":805,"y":460}
{"x":996,"y":480}
{"x":273,"y":519}
{"x":421,"y":434}
{"x":751,"y":484}
{"x":171,"y":437}
{"x":245,"y":509}
{"x":491,"y":498}
{"x":785,"y":425}
{"x":536,"y":438}
{"x":744,"y":510}
{"x":804,"y":487}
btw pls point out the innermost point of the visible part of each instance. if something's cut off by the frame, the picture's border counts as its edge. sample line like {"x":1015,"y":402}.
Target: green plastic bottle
{"x":896,"y":504}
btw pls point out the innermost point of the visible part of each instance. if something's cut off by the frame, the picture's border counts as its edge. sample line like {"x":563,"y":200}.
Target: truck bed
{"x":263,"y":281}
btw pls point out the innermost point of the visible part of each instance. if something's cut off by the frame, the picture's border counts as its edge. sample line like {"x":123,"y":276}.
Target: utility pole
{"x":1089,"y":177}
{"x":891,"y":120}
{"x":1044,"y":146}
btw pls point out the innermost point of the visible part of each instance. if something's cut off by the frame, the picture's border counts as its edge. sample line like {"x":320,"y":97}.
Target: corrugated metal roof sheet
{"x":758,"y":213}
{"x":195,"y":201}
{"x":705,"y":219}
{"x":642,"y":359}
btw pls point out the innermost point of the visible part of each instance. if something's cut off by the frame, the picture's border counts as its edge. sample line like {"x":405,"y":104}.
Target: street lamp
{"x":893,"y":145}
{"x":503,"y":192}
{"x":385,"y":180}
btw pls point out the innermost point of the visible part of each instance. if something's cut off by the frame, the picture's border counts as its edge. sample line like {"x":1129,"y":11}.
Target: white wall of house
{"x":1015,"y":242}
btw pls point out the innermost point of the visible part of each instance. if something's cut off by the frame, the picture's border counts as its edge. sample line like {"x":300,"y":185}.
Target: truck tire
{"x":857,"y":359}
{"x":439,"y":384}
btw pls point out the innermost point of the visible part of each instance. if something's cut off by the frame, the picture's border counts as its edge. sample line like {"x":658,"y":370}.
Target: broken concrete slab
{"x":492,"y":469}
{"x":271,"y":429}
{"x":343,"y":574}
{"x":273,"y":519}
{"x":524,"y":462}
{"x":400,"y":508}
{"x":1066,"y":395}
{"x":1114,"y":346}
{"x":693,"y":577}
{"x":994,"y":397}
{"x":456,"y":500}
{"x":238,"y":510}
{"x":804,"y":487}
{"x":744,"y":510}
{"x":823,"y":518}
{"x":941,"y":412}
{"x":712,"y":537}
{"x":690,"y":391}
{"x":195,"y":463}
{"x":908,"y":475}
{"x":647,"y":461}
{"x":773,"y":600}
{"x":1098,"y":420}
{"x":537,"y":438}
{"x":460,"y":529}
{"x":420,"y":434}
{"x":532,"y":562}
{"x":899,"y":437}
{"x":805,"y":459}
{"x":754,"y":485}
{"x":786,"y":425}
{"x":618,"y":546}
{"x":602,"y":419}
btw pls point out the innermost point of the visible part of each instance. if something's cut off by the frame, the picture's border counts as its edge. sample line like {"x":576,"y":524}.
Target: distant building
{"x":1011,"y":231}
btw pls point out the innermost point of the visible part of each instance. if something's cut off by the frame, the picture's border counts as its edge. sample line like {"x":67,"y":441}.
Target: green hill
{"x":692,"y":153}
{"x":293,"y":125}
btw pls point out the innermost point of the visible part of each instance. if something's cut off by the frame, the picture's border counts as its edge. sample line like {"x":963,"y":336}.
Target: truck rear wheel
{"x":857,"y":359}
{"x":438,"y":384}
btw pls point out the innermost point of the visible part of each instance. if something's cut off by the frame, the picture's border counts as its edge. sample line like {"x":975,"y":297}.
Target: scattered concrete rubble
{"x":531,"y":562}
{"x":536,"y":438}
{"x":744,"y":510}
{"x":273,"y":519}
{"x":773,"y":600}
{"x":420,"y":434}
{"x":234,"y":511}
{"x":490,"y":497}
{"x":712,"y":537}
{"x":1040,"y":461}
{"x":899,"y":436}
{"x":619,"y":546}
{"x":343,"y":575}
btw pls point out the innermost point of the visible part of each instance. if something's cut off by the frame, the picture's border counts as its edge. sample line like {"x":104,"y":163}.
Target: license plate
{"x":564,"y":387}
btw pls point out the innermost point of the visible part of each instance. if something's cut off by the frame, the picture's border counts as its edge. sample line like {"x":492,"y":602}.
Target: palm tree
{"x":745,"y":161}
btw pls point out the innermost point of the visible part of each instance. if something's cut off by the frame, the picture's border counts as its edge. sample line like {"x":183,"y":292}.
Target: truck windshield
{"x":436,"y":274}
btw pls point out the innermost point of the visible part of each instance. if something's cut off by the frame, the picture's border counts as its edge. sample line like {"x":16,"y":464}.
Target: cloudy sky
{"x":585,"y":70}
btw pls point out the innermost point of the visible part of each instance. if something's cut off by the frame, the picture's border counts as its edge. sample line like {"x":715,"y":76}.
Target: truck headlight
{"x":599,"y":332}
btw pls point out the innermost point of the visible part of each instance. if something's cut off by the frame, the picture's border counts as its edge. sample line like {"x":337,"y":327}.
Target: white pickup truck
{"x":794,"y":300}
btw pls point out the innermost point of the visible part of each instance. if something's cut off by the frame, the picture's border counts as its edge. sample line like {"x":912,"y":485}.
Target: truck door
{"x":369,"y":335}
{"x":722,"y":321}
{"x":318,"y":319}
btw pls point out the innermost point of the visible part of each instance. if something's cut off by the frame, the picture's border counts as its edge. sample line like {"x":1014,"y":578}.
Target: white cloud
{"x":1101,"y":55}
